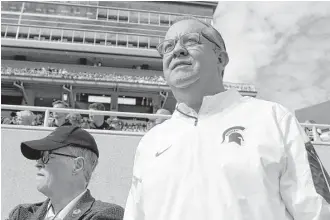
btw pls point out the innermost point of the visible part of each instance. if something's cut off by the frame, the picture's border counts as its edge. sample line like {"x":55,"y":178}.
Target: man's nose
{"x":179,"y":50}
{"x":39,"y":164}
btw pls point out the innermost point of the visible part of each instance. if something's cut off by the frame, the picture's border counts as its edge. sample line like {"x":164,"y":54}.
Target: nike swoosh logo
{"x":159,"y":153}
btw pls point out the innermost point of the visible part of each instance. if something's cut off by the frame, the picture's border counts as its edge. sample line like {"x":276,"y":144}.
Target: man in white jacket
{"x":222,"y":156}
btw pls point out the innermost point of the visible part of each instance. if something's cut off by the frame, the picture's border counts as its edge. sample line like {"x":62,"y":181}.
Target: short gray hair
{"x":214,"y":34}
{"x":91,"y":160}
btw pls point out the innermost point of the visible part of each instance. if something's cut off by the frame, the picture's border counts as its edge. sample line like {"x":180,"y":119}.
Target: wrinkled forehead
{"x":183,"y":27}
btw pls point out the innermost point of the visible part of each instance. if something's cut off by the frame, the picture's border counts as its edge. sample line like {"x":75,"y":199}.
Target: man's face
{"x":191,"y":72}
{"x":56,"y":174}
{"x":150,"y":124}
{"x":117,"y":125}
{"x":94,"y":118}
{"x":58,"y":115}
{"x":23,"y":120}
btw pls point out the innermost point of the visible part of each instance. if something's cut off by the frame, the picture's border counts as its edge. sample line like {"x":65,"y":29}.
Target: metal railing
{"x":316,"y":137}
{"x":47,"y":111}
{"x":80,"y":36}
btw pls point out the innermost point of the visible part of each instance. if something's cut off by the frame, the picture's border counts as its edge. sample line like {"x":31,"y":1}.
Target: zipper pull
{"x":196,"y":121}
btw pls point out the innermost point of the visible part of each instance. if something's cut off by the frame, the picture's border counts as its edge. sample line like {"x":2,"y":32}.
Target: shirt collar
{"x":66,"y":209}
{"x":211,"y":104}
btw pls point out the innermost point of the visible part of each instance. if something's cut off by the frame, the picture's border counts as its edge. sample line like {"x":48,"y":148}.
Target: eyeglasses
{"x":45,"y":155}
{"x":186,"y":40}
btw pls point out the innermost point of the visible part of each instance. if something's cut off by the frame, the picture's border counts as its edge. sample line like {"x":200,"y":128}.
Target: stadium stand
{"x":62,"y":48}
{"x":98,"y":76}
{"x":94,"y":76}
{"x":319,"y":133}
{"x":41,"y":119}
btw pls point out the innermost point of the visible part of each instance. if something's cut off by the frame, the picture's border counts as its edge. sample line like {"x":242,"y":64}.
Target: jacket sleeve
{"x":304,"y":182}
{"x":134,"y":209}
{"x":20,"y":212}
{"x":13,"y":215}
{"x":113,"y":213}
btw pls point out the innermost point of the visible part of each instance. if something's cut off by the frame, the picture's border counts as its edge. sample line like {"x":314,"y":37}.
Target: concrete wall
{"x":110,"y":182}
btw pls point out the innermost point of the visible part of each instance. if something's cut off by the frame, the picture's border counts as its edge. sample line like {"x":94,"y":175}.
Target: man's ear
{"x":223,"y":58}
{"x":79,"y":164}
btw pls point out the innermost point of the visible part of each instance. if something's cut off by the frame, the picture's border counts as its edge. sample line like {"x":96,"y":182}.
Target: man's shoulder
{"x":98,"y":204}
{"x":107,"y":210}
{"x":259,"y":102}
{"x":23,"y":211}
{"x":161,"y":130}
{"x":29,"y":205}
{"x":265,"y":107}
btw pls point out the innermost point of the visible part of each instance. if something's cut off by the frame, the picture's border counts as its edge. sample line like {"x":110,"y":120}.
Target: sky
{"x":283,"y":48}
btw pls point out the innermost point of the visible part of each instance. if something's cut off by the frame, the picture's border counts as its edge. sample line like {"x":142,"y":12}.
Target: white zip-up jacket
{"x":239,"y":158}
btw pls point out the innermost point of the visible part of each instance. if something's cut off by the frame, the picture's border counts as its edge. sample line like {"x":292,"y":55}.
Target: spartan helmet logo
{"x":234,"y":134}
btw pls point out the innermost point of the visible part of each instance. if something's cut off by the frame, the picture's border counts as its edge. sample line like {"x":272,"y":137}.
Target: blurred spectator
{"x":25,"y":118}
{"x":150,"y":124}
{"x":97,"y":121}
{"x":74,"y":119}
{"x":116,"y":124}
{"x":153,"y":122}
{"x":161,"y":111}
{"x":109,"y":120}
{"x":85,"y":123}
{"x":325,"y":136}
{"x":59,"y":119}
{"x":312,"y":132}
{"x":39,"y":120}
{"x":134,"y":127}
{"x":51,"y":72}
{"x":12,"y":115}
{"x":6,"y":121}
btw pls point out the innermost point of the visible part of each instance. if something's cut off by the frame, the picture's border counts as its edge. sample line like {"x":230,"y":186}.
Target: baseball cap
{"x":60,"y":137}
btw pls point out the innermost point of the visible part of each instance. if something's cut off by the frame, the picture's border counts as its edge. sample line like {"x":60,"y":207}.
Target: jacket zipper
{"x":196,"y":121}
{"x":189,"y":116}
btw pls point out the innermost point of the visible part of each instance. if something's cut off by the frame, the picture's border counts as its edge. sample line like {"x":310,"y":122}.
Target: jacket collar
{"x":83,"y":205}
{"x":41,"y":211}
{"x":210,"y":105}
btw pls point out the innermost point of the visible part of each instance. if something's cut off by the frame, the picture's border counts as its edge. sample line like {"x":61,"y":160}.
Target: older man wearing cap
{"x":66,"y":159}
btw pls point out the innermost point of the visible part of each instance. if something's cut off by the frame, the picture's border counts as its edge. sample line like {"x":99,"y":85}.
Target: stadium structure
{"x":84,"y":52}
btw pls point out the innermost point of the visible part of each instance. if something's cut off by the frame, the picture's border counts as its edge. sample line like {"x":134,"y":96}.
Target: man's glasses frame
{"x":181,"y":42}
{"x":181,"y":39}
{"x":45,"y":156}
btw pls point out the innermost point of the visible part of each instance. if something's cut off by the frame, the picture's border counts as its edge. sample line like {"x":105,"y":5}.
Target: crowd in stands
{"x":113,"y":123}
{"x":317,"y":134}
{"x":94,"y":121}
{"x":51,"y":72}
{"x":90,"y":76}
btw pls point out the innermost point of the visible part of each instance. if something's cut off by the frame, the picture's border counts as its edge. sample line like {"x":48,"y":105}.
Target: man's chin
{"x":183,"y":83}
{"x":41,"y":188}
